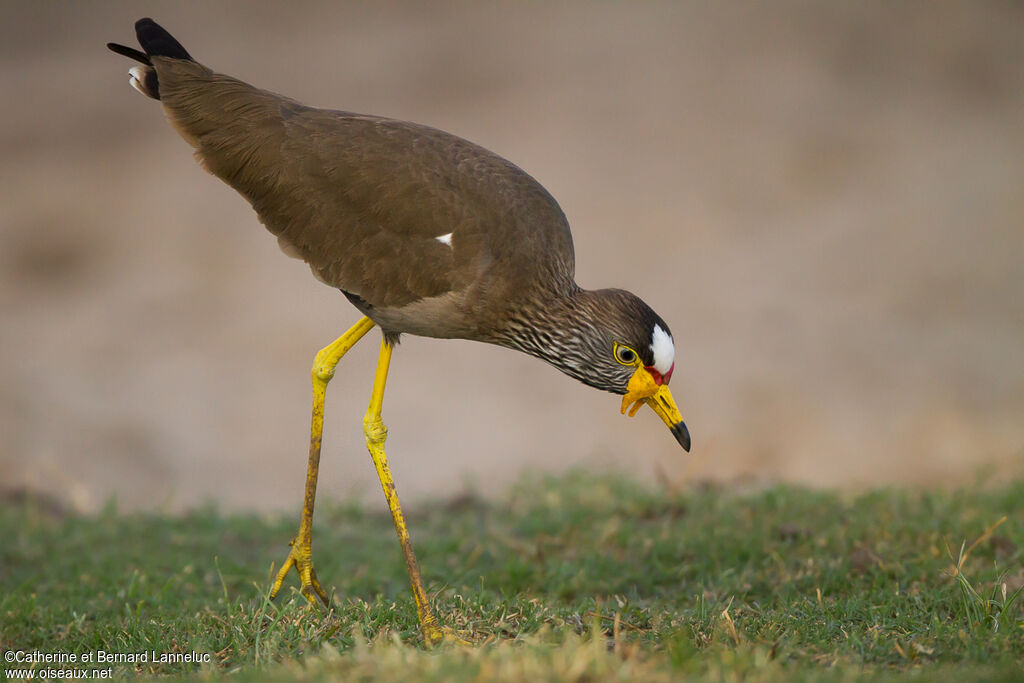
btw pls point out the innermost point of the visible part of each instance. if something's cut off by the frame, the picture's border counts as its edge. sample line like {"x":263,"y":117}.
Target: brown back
{"x":362,"y":199}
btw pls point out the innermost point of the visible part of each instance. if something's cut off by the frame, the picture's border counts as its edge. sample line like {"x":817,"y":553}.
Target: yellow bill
{"x":642,"y":388}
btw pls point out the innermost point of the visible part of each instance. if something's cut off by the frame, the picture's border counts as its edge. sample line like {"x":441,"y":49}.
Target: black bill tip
{"x":682,"y":435}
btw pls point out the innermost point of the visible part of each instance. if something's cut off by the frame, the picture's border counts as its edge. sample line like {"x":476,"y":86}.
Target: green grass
{"x":574,"y":578}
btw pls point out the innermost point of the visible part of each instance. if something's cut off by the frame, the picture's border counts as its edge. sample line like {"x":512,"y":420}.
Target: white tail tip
{"x":136,"y":76}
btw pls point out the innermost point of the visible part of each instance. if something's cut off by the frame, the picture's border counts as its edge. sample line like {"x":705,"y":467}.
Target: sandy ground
{"x":824,"y":200}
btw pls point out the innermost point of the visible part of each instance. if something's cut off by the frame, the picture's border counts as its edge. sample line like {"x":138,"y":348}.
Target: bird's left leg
{"x":301,"y":554}
{"x":376,"y":433}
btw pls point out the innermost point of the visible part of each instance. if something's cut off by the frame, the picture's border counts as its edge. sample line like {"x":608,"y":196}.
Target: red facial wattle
{"x":659,"y":378}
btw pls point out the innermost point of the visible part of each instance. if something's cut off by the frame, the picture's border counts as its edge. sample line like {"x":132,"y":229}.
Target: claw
{"x":301,"y":557}
{"x":438,"y":635}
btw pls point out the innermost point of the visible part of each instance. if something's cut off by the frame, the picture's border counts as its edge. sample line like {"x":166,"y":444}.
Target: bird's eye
{"x":625,"y":355}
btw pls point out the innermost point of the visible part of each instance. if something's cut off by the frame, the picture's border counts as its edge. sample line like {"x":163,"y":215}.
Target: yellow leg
{"x":301,"y":554}
{"x":376,"y":433}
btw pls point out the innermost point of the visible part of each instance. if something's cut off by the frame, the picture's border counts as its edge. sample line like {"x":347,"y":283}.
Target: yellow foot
{"x":437,"y":635}
{"x":301,"y":557}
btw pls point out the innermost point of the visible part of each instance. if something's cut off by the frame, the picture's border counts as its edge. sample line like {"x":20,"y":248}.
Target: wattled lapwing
{"x":424,"y":233}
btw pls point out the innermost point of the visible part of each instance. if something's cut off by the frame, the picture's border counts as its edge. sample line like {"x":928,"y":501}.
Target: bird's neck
{"x":556,"y":329}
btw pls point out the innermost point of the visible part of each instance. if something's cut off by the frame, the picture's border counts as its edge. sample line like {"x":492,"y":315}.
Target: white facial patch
{"x":664,"y":350}
{"x":445,"y":239}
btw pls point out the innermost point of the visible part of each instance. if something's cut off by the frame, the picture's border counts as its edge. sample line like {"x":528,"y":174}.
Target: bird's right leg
{"x":301,"y":554}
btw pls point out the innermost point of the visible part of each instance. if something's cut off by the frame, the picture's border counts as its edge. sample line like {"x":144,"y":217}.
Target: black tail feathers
{"x":130,"y":52}
{"x":156,"y":42}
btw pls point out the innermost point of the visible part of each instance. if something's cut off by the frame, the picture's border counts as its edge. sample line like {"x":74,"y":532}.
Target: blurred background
{"x":824,"y":200}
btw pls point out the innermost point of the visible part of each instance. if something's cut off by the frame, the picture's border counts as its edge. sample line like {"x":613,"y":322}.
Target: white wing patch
{"x":664,"y":350}
{"x":445,"y":239}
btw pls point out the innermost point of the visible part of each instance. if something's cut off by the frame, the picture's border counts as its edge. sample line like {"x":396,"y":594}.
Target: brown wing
{"x":363,"y":199}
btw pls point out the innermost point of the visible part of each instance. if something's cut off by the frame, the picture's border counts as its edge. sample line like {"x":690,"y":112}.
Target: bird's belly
{"x":442,"y":317}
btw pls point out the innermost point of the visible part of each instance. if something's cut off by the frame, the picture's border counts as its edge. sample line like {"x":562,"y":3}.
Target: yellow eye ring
{"x":625,"y":355}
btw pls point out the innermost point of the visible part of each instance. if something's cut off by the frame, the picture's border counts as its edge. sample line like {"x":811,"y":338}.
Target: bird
{"x":425,"y":234}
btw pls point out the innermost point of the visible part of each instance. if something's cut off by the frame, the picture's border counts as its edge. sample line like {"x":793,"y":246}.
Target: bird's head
{"x":641,"y":355}
{"x":616,"y":342}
